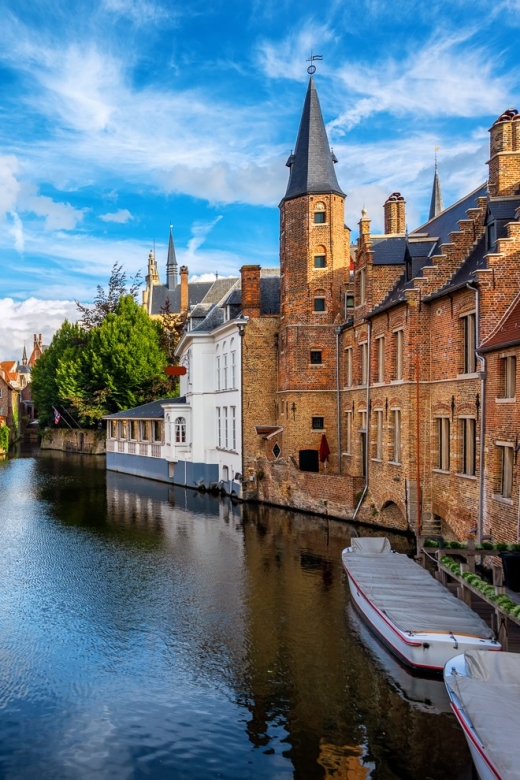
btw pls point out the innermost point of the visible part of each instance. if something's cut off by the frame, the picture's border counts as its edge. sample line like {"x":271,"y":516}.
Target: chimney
{"x":395,"y":214}
{"x":250,"y":290}
{"x":184,"y":289}
{"x":364,"y":230}
{"x":504,"y":157}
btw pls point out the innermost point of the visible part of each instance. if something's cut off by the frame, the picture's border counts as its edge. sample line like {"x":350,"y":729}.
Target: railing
{"x":131,"y":447}
{"x":111,"y":445}
{"x":156,"y":450}
{"x":120,"y":446}
{"x":143,"y":449}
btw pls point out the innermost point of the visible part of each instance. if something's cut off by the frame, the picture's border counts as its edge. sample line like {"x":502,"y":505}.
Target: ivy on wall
{"x":4,"y":438}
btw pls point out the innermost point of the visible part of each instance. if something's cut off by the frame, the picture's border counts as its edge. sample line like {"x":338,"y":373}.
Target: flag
{"x":324,"y":449}
{"x":57,"y":416}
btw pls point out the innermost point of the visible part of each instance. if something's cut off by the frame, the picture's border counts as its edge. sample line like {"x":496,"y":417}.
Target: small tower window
{"x":318,"y":423}
{"x":319,"y":304}
{"x":316,"y":357}
{"x":320,"y":261}
{"x":319,"y":213}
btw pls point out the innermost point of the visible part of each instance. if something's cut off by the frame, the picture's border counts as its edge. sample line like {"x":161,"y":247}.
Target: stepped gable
{"x":422,"y":246}
{"x":312,"y":163}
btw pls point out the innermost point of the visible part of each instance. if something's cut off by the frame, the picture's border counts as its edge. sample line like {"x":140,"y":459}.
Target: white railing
{"x":131,"y":447}
{"x":111,"y":445}
{"x":156,"y":450}
{"x":143,"y":449}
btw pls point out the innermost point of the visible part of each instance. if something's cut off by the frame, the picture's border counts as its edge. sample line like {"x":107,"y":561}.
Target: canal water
{"x":152,"y":632}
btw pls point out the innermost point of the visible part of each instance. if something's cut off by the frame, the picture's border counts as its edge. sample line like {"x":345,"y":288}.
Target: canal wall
{"x":86,"y":442}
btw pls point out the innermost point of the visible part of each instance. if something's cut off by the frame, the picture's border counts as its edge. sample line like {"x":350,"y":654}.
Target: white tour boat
{"x":416,"y":616}
{"x":484,"y":691}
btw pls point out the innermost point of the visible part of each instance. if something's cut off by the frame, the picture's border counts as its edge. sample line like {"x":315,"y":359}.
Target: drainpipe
{"x":482,"y":360}
{"x":367,"y":440}
{"x":338,"y":331}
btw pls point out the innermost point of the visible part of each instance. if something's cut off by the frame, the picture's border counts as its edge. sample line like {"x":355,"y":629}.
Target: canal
{"x":152,"y":632}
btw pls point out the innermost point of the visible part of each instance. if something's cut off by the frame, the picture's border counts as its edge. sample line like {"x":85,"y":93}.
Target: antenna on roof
{"x":312,"y":68}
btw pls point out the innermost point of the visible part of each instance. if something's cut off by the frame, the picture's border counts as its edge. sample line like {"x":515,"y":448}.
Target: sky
{"x":121,"y":117}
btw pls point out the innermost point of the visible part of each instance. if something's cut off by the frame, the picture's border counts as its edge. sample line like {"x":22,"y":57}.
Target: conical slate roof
{"x":436,"y":204}
{"x":171,"y":264}
{"x":312,"y":164}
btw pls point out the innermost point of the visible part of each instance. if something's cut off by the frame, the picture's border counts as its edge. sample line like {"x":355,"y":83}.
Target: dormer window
{"x":491,"y":236}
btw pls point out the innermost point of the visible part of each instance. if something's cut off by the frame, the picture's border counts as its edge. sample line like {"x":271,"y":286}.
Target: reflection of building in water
{"x":314,"y":689}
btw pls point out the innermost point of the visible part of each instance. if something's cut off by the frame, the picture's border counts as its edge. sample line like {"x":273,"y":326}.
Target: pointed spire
{"x":312,"y":162}
{"x":24,"y":356}
{"x":171,"y":264}
{"x":436,"y":204}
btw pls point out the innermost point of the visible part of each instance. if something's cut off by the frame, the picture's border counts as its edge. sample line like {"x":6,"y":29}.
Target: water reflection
{"x":149,"y":631}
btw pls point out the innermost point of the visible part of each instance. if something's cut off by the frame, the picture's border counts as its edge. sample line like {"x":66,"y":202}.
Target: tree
{"x":172,"y":325}
{"x":106,"y":302}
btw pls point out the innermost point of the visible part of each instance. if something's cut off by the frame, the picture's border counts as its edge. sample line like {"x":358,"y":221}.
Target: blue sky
{"x":119,"y":116}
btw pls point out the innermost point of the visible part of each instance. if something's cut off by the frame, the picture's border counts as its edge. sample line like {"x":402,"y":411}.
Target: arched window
{"x":320,"y":257}
{"x":180,"y":430}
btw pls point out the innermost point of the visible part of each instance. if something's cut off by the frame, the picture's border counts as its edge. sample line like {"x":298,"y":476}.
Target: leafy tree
{"x":106,"y":302}
{"x":172,"y":325}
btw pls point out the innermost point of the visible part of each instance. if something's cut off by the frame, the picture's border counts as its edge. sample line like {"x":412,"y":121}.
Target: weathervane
{"x":312,"y":68}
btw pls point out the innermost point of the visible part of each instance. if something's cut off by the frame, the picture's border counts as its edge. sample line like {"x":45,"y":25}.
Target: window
{"x":218,"y":372}
{"x":399,"y":352}
{"x":349,"y":304}
{"x":364,"y":363}
{"x":157,"y":430}
{"x":224,"y":372}
{"x":219,"y":428}
{"x":349,"y":367}
{"x":381,"y":359}
{"x":379,"y":435}
{"x":113,"y":429}
{"x":226,"y":432}
{"x":233,"y":428}
{"x":122,"y":429}
{"x":363,"y":442}
{"x":133,"y":430}
{"x":318,"y":423}
{"x":316,"y":357}
{"x":319,"y":213}
{"x":443,"y":437}
{"x":319,"y":304}
{"x":469,"y":442}
{"x":506,"y":470}
{"x":233,"y":370}
{"x":180,"y":430}
{"x":396,"y":421}
{"x":348,"y":433}
{"x":320,"y":261}
{"x":509,"y":364}
{"x":144,"y":430}
{"x":362,"y":286}
{"x":469,"y":334}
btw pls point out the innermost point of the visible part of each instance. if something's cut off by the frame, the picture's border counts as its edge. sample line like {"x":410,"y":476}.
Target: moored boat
{"x":484,"y":691}
{"x":417,"y":617}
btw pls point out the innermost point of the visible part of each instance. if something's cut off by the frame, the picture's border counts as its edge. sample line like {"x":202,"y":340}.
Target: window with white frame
{"x":349,"y":379}
{"x":218,"y":372}
{"x":133,"y":430}
{"x":443,"y":443}
{"x":363,"y":349}
{"x":379,"y":434}
{"x":506,"y":455}
{"x":509,"y":365}
{"x":233,"y":428}
{"x":396,"y":425}
{"x":399,"y":354}
{"x":224,"y":371}
{"x":380,"y":359}
{"x":233,"y":370}
{"x":157,"y":430}
{"x":226,"y":431}
{"x":113,"y":429}
{"x":180,"y":430}
{"x":219,"y":427}
{"x":469,"y":343}
{"x":469,"y":445}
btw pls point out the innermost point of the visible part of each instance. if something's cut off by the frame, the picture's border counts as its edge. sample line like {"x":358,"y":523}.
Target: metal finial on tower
{"x":312,"y":68}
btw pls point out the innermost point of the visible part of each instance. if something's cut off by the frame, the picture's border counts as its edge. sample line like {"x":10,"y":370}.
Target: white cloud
{"x":283,"y":60}
{"x":121,"y":216}
{"x":9,"y":184}
{"x":58,"y":216}
{"x":16,"y":231}
{"x":19,"y":321}
{"x":200,"y":231}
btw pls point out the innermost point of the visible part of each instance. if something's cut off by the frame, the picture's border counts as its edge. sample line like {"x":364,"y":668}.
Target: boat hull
{"x":484,"y":766}
{"x":427,"y":652}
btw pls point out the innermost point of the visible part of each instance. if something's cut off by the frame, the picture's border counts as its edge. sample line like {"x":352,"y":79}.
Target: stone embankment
{"x":86,"y":442}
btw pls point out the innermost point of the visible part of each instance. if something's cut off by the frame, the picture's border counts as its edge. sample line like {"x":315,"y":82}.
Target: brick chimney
{"x":504,"y":157}
{"x":250,"y":290}
{"x":395,"y":214}
{"x":184,"y":289}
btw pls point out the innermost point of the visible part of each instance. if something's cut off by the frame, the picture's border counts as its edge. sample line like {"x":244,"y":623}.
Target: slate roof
{"x":508,"y":332}
{"x":503,"y":209}
{"x":159,"y":292}
{"x":312,"y":163}
{"x":466,"y":273}
{"x":443,"y":224}
{"x":151,"y":411}
{"x":436,"y":205}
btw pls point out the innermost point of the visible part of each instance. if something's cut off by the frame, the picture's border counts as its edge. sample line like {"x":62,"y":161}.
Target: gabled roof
{"x":507,"y":334}
{"x":312,"y":163}
{"x":151,"y":411}
{"x":447,"y":221}
{"x":466,"y":273}
{"x":159,"y":293}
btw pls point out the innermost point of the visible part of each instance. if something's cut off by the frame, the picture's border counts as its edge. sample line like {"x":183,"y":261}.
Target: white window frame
{"x":443,"y":443}
{"x":380,"y":359}
{"x":397,"y":436}
{"x":349,"y":378}
{"x":233,"y":428}
{"x":469,"y":332}
{"x":218,"y":372}
{"x":180,"y":430}
{"x":233,"y":370}
{"x":219,"y":427}
{"x":509,"y":376}
{"x":379,"y":434}
{"x":399,"y":354}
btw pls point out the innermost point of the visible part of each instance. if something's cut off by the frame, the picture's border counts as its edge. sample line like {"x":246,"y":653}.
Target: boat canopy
{"x":490,"y":696}
{"x":407,"y":594}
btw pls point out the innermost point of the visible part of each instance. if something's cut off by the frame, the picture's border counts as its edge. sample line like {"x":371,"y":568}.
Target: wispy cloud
{"x":121,"y":216}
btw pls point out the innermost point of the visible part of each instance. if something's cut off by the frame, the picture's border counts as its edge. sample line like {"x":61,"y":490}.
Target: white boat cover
{"x":407,"y":594}
{"x":490,"y":695}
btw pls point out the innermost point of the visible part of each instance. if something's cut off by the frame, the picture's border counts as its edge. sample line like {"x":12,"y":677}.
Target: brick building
{"x":389,"y":394}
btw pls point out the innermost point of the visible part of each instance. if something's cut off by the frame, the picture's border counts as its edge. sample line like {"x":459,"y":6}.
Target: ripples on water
{"x":152,"y":632}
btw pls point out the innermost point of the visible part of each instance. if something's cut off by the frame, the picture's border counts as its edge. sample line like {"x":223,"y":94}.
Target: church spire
{"x":312,"y":163}
{"x":24,"y":356}
{"x":171,"y":264}
{"x":436,"y":204}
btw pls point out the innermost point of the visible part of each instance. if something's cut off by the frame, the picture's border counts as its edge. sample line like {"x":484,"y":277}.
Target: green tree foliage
{"x":113,"y":365}
{"x":106,"y":301}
